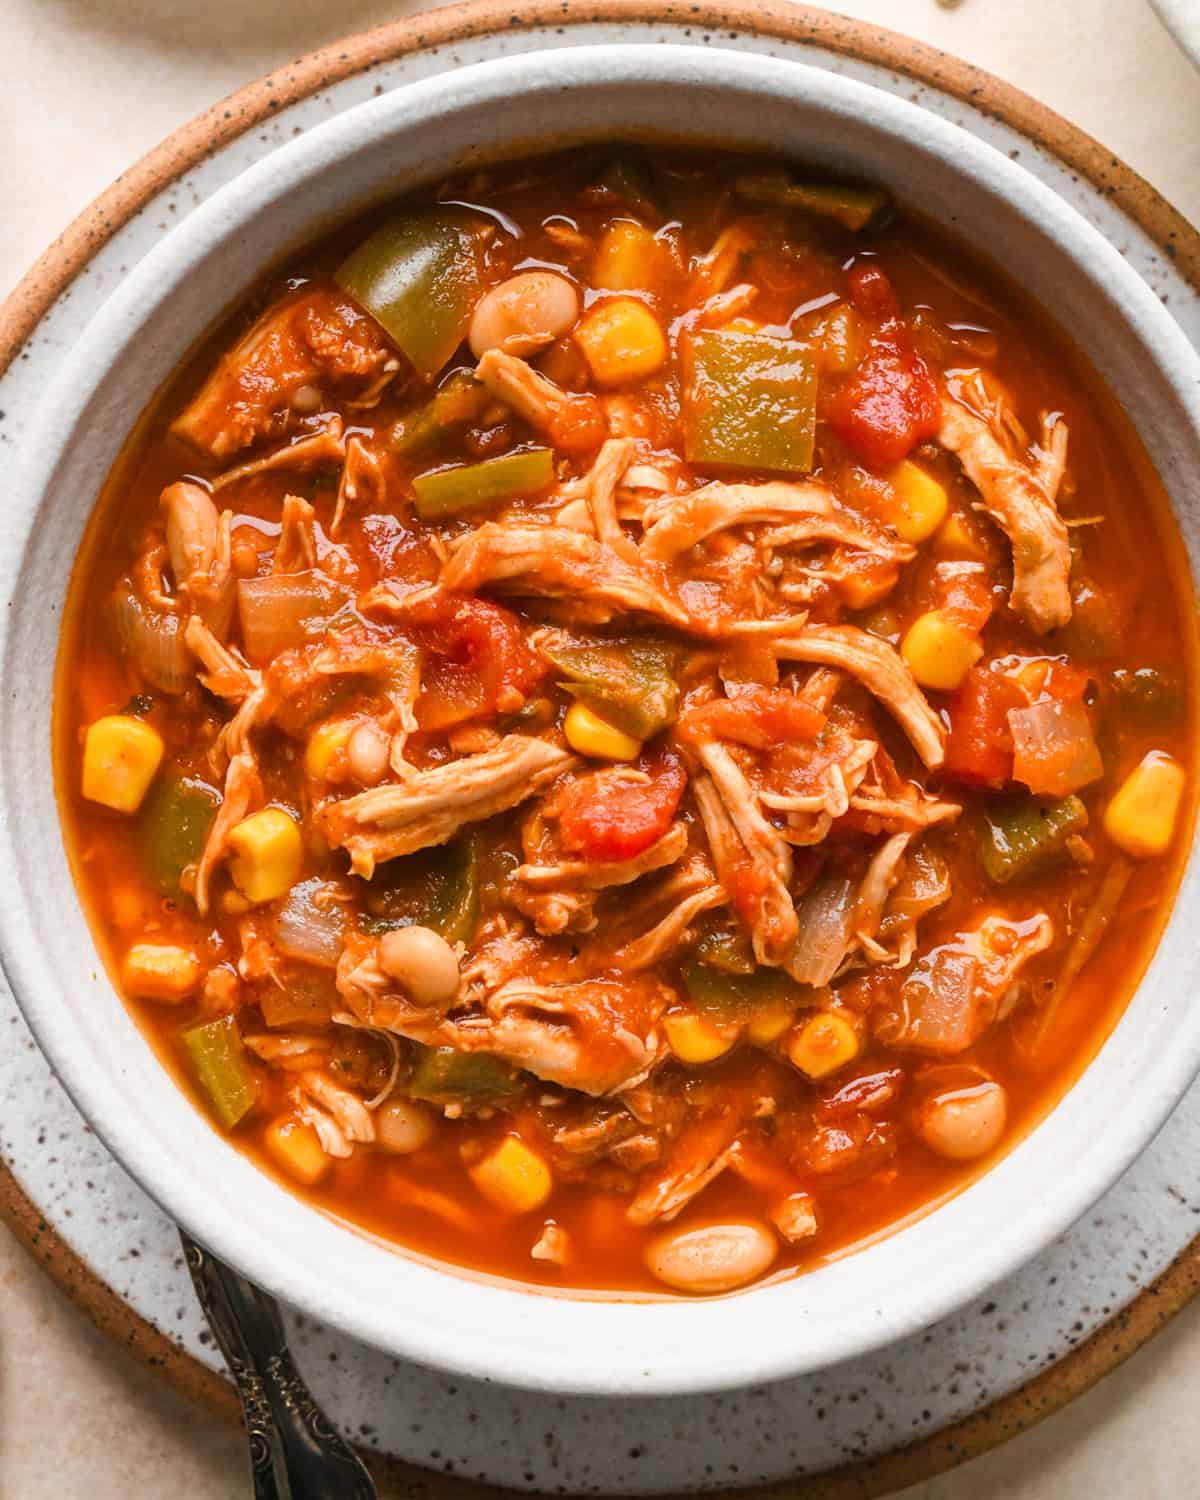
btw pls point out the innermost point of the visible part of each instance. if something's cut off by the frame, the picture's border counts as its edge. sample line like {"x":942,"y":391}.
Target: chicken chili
{"x":606,"y":719}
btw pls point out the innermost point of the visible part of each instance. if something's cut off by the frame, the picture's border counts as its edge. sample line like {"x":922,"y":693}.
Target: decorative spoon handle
{"x":295,"y":1452}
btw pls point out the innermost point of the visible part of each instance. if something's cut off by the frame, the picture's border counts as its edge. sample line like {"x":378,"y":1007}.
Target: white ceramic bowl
{"x":1182,"y":20}
{"x":412,"y":1308}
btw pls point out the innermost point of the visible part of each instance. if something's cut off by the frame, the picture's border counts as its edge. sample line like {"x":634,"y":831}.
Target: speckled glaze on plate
{"x":97,"y":1231}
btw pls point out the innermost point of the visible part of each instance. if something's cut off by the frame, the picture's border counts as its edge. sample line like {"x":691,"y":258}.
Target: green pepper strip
{"x":750,"y":402}
{"x":219,"y":1063}
{"x":852,"y":207}
{"x":629,"y":684}
{"x":449,"y":492}
{"x":436,"y":888}
{"x":459,"y":400}
{"x":443,"y":1076}
{"x":419,"y":276}
{"x":726,"y":997}
{"x":172,"y":828}
{"x":1024,"y":836}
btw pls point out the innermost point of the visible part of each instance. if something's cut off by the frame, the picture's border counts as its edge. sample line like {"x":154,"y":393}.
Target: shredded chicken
{"x":242,"y":788}
{"x":877,"y":665}
{"x":313,"y":339}
{"x":545,"y":406}
{"x":1020,"y":499}
{"x":558,"y":563}
{"x":680,"y":521}
{"x":200,"y":550}
{"x":739,"y":836}
{"x":611,"y":463}
{"x":317,"y":450}
{"x":561,"y":896}
{"x":363,"y":479}
{"x":296,"y":549}
{"x":431,"y":806}
{"x":340,"y":1118}
{"x":225,"y":674}
{"x":699,"y":1155}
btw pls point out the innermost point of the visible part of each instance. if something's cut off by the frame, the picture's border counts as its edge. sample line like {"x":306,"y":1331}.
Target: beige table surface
{"x":86,"y":86}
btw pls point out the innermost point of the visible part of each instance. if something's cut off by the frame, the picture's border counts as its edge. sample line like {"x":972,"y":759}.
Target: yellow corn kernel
{"x":267,"y":855}
{"x":694,"y":1039}
{"x":922,"y":502}
{"x":323,"y":744}
{"x":825,"y":1043}
{"x":513,"y":1178}
{"x":591,"y":735}
{"x":234,"y":904}
{"x":296,"y":1149}
{"x":955,"y":540}
{"x":621,"y":340}
{"x":120,"y":757}
{"x":160,"y":971}
{"x":1142,"y":815}
{"x":626,"y":257}
{"x":769,"y":1024}
{"x":939,"y":651}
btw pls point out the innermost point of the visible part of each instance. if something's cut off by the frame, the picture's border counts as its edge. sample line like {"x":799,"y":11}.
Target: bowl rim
{"x":23,"y":965}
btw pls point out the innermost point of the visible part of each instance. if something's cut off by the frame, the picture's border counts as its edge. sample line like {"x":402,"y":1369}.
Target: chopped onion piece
{"x":1056,"y":751}
{"x":310,"y":928}
{"x":826,"y":916}
{"x":280,"y":611}
{"x":153,"y":642}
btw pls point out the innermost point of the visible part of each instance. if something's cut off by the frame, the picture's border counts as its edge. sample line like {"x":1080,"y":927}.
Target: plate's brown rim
{"x":781,"y":20}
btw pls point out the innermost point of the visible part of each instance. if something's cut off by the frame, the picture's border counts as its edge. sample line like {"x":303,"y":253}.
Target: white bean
{"x":963,"y":1123}
{"x":402,"y":1126}
{"x":367,"y":752}
{"x":523,"y":314}
{"x":712,"y":1258}
{"x":423,"y":962}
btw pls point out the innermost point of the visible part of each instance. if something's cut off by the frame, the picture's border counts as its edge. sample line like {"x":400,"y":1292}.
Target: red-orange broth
{"x":675,"y":282}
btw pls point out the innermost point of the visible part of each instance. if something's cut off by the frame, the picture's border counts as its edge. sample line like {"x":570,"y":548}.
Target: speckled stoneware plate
{"x":868,"y":1427}
{"x":1182,"y":20}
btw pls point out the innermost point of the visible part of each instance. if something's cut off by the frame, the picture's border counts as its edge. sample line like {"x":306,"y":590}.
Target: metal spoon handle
{"x":295,"y":1452}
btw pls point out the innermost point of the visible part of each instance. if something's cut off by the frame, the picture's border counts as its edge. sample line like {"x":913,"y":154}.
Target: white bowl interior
{"x":378,"y":150}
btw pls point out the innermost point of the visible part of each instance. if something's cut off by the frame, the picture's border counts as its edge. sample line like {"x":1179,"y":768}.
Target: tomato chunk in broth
{"x":627,"y":722}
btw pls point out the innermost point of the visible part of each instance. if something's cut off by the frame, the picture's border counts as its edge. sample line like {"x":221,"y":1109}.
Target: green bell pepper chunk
{"x":853,"y":207}
{"x":630,"y":178}
{"x":723,"y":995}
{"x":1149,"y":695}
{"x":459,"y":400}
{"x":443,"y":1076}
{"x":1023,"y":836}
{"x":630,"y":684}
{"x":436,"y":888}
{"x":419,"y":276}
{"x":750,"y":402}
{"x":172,"y":828}
{"x":449,"y":492}
{"x":219,"y":1062}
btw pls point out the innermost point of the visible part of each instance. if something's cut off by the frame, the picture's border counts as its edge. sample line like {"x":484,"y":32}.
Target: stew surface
{"x":627,"y":723}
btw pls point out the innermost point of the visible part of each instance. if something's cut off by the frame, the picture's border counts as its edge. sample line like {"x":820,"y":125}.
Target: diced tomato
{"x":602,"y":818}
{"x":759,"y":717}
{"x":965,"y":594}
{"x":980,"y":747}
{"x":871,"y":292}
{"x":890,"y":403}
{"x":478,"y":660}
